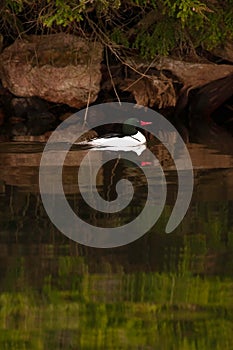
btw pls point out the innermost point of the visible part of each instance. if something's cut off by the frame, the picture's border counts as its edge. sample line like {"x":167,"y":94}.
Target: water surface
{"x":163,"y":291}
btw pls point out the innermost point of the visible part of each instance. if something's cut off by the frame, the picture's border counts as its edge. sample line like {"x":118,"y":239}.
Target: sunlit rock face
{"x":59,"y":68}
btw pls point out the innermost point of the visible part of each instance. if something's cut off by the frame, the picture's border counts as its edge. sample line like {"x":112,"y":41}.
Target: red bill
{"x":142,"y":123}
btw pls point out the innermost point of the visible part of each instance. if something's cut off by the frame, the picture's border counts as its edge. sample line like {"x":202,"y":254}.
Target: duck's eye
{"x":135,"y":121}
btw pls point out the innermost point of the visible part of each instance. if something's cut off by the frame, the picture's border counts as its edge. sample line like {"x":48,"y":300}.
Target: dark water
{"x":163,"y":291}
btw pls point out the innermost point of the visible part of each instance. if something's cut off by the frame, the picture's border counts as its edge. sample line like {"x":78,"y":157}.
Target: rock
{"x":39,"y":122}
{"x":151,"y":92}
{"x":1,"y":42}
{"x":15,"y":120}
{"x":19,"y":129}
{"x":30,"y":116}
{"x":40,"y":117}
{"x":195,"y":111}
{"x":30,"y":138}
{"x":65,"y":116}
{"x":21,"y":107}
{"x":60,"y":68}
{"x":225,"y":51}
{"x":187,"y":73}
{"x":147,"y":88}
{"x":2,"y":116}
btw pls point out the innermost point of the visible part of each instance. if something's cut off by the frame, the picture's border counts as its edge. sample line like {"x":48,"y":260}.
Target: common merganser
{"x":130,"y":137}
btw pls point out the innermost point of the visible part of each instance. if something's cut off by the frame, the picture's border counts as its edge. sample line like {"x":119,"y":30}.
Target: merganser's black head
{"x":130,"y":126}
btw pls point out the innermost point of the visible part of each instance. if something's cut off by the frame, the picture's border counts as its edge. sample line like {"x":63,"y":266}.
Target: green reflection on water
{"x":161,"y":292}
{"x":108,"y":311}
{"x":90,"y":299}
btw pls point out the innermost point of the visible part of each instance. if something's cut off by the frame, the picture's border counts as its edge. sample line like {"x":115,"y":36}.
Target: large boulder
{"x":59,"y":68}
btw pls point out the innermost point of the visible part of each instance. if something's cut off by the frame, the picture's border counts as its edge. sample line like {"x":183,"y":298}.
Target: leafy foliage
{"x":152,"y":27}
